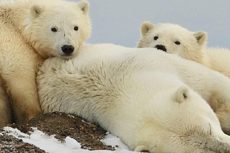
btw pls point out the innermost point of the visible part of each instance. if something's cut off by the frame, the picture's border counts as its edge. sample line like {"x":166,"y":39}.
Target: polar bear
{"x":5,"y":108}
{"x":32,"y":31}
{"x":149,"y":99}
{"x":174,"y":39}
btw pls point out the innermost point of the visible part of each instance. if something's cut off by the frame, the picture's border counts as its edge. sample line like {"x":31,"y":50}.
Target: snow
{"x":51,"y":145}
{"x":116,"y":143}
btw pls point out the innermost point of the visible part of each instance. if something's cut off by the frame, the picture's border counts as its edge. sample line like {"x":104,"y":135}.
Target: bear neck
{"x":18,"y":18}
{"x":20,"y":22}
{"x":198,"y":55}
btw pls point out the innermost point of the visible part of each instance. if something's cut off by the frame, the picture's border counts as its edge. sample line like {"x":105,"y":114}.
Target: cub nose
{"x":161,"y":47}
{"x":67,"y":49}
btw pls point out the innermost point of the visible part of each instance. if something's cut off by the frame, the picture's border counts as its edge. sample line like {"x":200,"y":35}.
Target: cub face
{"x":172,"y":38}
{"x":58,"y":30}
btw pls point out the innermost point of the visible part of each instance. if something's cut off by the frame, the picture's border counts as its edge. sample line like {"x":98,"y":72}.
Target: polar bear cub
{"x":174,"y":39}
{"x":5,"y":108}
{"x":139,"y":96}
{"x":31,"y":31}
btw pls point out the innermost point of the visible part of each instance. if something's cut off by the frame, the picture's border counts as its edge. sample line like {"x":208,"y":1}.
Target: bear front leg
{"x":23,"y":92}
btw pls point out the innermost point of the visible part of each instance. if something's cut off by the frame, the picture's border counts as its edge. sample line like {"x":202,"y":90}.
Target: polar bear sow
{"x":30,"y":32}
{"x":140,"y":95}
{"x":174,"y":39}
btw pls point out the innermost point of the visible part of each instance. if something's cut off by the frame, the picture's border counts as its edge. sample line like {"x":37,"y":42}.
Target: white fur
{"x":140,"y":95}
{"x":64,"y":18}
{"x":192,"y":45}
{"x":26,"y":40}
{"x":36,"y":18}
{"x":218,"y":60}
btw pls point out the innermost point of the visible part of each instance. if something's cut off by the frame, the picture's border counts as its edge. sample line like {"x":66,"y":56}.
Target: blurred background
{"x":118,"y":21}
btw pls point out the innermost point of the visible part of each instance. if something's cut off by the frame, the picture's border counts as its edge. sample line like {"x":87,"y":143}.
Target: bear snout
{"x":161,"y":47}
{"x":67,"y":49}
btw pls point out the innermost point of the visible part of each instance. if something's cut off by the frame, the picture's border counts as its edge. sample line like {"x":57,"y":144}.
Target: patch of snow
{"x":116,"y":143}
{"x":51,"y":145}
{"x":72,"y":143}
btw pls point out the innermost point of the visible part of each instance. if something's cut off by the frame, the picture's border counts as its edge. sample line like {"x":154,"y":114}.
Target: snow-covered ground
{"x":51,"y":145}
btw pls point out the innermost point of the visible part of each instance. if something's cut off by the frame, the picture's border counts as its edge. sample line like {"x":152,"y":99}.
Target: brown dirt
{"x":61,"y":125}
{"x":9,"y":144}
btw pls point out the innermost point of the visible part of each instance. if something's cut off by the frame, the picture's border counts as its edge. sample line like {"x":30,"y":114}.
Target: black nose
{"x":67,"y":49}
{"x":161,"y":47}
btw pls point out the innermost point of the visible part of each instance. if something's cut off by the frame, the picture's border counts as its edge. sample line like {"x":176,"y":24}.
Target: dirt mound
{"x":61,"y":125}
{"x":9,"y":144}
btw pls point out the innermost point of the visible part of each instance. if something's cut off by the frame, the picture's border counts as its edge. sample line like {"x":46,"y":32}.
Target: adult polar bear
{"x":141,"y":96}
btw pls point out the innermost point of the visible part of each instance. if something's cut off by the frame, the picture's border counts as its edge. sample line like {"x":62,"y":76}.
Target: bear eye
{"x":155,"y":38}
{"x":54,"y":29}
{"x":177,"y":42}
{"x":76,"y":28}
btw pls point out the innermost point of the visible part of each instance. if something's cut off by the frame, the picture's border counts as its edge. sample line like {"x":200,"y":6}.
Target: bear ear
{"x":36,"y":11}
{"x":146,"y":27}
{"x":181,"y":95}
{"x":201,"y":37}
{"x":142,"y":149}
{"x":84,"y":6}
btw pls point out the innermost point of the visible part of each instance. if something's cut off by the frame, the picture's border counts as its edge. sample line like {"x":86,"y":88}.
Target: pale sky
{"x":118,"y":21}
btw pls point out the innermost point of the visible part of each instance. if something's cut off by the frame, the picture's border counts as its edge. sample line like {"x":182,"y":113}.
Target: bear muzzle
{"x":67,"y":49}
{"x":161,"y":47}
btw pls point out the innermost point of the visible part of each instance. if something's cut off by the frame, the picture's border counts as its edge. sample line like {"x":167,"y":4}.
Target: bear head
{"x":174,"y":39}
{"x":57,"y":29}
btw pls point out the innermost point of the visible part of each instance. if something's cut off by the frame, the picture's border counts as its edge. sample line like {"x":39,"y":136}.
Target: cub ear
{"x":181,"y":95}
{"x":201,"y":37}
{"x":146,"y":27}
{"x":36,"y":11}
{"x":142,"y":149}
{"x":84,"y":6}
